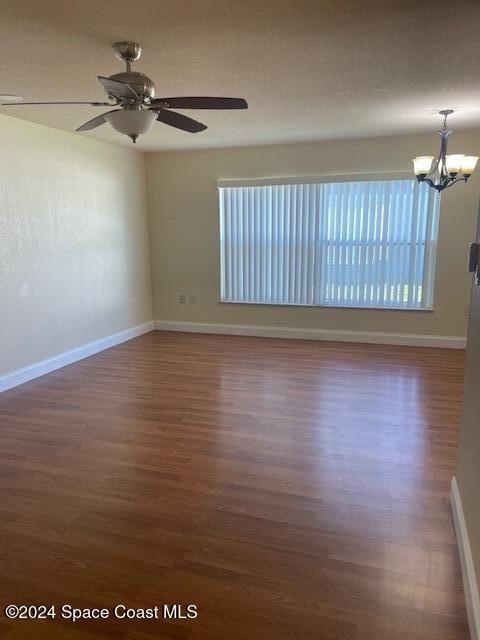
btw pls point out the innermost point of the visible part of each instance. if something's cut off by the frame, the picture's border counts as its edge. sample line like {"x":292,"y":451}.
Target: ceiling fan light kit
{"x":448,"y":169}
{"x":133,"y":93}
{"x":131,"y":123}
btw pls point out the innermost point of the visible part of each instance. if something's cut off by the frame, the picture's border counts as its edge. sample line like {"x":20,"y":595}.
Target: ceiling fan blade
{"x":21,"y":104}
{"x":196,"y":102}
{"x":118,"y":89}
{"x":95,"y":122}
{"x":180,"y":121}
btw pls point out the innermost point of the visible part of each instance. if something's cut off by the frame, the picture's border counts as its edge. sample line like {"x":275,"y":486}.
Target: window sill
{"x":328,"y":306}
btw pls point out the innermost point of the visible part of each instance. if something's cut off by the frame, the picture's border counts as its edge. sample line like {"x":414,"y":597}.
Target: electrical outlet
{"x":192,"y":298}
{"x":182,"y":298}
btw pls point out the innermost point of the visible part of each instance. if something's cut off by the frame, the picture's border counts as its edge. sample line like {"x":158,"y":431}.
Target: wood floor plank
{"x":291,"y":489}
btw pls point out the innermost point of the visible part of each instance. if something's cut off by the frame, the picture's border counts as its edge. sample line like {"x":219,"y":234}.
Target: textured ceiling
{"x":310,"y":69}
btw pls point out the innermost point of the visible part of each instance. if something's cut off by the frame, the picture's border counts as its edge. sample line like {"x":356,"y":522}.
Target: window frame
{"x":325,"y":179}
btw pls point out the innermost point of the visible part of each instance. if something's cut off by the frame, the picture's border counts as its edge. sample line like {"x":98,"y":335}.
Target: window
{"x":352,"y":244}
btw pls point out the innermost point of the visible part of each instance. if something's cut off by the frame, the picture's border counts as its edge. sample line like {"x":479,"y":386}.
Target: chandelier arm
{"x":443,"y":145}
{"x":428,"y":181}
{"x":439,"y":164}
{"x":435,"y":166}
{"x":454,"y":182}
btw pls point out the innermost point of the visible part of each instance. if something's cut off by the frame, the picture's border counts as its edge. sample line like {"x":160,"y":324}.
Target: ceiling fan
{"x":133,"y":93}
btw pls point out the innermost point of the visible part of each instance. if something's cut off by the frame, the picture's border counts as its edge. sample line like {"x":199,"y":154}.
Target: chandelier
{"x":448,"y":169}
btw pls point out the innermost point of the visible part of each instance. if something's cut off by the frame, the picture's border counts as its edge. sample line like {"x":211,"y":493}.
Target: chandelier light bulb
{"x":454,"y":163}
{"x":422,"y":165}
{"x":468,"y":165}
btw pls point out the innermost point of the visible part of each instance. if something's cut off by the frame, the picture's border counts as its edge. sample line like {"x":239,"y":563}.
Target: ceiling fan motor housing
{"x":140,"y":83}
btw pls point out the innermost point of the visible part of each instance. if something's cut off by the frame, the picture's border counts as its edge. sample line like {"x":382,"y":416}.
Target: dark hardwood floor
{"x":290,"y":489}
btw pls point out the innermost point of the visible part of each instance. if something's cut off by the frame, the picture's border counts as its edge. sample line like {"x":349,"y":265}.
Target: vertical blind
{"x":360,"y":244}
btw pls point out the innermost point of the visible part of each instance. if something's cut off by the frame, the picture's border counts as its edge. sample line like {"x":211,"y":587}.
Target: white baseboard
{"x":470,"y":584}
{"x":407,"y":339}
{"x":25,"y":374}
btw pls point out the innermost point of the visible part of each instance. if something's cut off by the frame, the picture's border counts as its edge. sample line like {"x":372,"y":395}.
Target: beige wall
{"x":185,"y":245}
{"x":74,"y":263}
